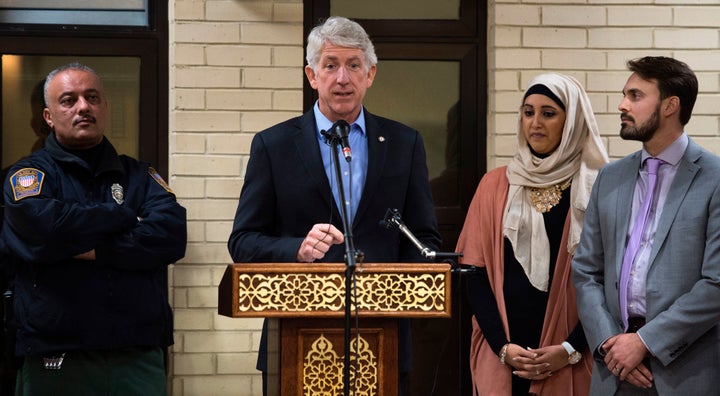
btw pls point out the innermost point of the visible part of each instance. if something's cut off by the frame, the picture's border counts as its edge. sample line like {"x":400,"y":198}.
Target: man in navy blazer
{"x":663,"y":339}
{"x":289,"y":207}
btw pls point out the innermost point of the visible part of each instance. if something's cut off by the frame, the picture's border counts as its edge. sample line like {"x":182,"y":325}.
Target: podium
{"x":306,"y":304}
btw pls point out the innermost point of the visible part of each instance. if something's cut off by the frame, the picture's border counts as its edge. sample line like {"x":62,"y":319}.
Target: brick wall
{"x":236,"y":68}
{"x":591,"y":40}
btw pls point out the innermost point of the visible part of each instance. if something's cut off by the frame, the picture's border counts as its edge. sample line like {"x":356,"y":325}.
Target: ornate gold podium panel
{"x":308,"y":301}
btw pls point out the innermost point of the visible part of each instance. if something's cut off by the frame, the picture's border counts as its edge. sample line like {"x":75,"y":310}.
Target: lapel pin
{"x":381,"y":139}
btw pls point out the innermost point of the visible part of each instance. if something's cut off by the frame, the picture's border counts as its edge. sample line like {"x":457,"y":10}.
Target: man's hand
{"x":624,"y":355}
{"x":318,"y":242}
{"x":640,"y":376}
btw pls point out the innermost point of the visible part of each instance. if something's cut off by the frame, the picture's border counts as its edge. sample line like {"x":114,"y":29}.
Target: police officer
{"x":92,"y":233}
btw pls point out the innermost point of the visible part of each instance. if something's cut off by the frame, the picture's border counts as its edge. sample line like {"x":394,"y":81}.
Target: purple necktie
{"x":636,"y":236}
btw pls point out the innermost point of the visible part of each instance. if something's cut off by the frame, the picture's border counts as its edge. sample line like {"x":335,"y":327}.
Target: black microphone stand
{"x":333,"y":139}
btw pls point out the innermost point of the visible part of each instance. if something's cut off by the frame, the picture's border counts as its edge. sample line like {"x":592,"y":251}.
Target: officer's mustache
{"x":84,"y":119}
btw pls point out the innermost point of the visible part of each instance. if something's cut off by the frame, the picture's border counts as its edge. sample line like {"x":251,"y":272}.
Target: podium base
{"x":310,"y":356}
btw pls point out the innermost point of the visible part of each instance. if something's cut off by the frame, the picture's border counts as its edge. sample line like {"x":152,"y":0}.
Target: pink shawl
{"x":481,"y":243}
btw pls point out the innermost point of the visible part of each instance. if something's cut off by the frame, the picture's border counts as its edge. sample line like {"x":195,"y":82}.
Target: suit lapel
{"x":377,"y":151}
{"x":308,"y":150}
{"x":676,"y":195}
{"x":623,"y":210}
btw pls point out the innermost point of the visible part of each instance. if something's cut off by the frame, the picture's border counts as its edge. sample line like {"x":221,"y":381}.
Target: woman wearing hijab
{"x":521,"y":231}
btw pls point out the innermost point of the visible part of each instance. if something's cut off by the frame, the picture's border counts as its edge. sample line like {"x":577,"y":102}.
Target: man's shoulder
{"x":384,"y":123}
{"x":281,"y":131}
{"x":620,"y":165}
{"x":294,"y":123}
{"x":706,"y":157}
{"x":132,"y":163}
{"x":393,"y":133}
{"x":37,"y":159}
{"x":27,"y":175}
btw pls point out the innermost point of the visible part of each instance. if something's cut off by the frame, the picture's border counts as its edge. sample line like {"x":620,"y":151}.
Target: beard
{"x":644,"y":131}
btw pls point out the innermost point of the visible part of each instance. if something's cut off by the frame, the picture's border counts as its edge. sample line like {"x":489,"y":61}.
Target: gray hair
{"x":341,"y":32}
{"x":69,"y":66}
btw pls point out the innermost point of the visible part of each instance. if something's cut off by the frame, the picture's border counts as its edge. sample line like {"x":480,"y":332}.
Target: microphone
{"x":342,"y":129}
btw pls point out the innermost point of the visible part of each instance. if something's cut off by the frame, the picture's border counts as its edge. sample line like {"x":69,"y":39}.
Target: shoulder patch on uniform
{"x":27,"y":182}
{"x":155,"y":175}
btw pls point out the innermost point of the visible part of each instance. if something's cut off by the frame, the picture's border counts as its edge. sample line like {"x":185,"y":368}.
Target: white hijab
{"x":579,"y":156}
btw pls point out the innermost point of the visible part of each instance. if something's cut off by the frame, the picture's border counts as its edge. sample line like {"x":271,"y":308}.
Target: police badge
{"x":117,"y":193}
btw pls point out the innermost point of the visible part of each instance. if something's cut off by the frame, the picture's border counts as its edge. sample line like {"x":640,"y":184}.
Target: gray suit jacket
{"x":683,"y":281}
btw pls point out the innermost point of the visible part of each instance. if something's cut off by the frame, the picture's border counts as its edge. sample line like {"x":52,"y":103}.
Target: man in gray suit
{"x":653,"y":325}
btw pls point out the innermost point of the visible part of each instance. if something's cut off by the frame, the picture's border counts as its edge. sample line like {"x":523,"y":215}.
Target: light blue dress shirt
{"x":353,"y":173}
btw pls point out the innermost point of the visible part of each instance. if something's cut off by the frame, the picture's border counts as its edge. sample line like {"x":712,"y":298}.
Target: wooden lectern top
{"x":318,"y":290}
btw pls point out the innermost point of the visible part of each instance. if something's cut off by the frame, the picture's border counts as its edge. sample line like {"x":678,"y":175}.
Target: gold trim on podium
{"x":323,"y":368}
{"x":318,"y":290}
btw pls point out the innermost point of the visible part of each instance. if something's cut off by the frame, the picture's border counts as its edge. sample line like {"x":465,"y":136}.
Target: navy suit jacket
{"x":286,"y":191}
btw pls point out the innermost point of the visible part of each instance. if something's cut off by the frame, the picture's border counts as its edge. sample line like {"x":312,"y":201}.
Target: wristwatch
{"x":573,"y":355}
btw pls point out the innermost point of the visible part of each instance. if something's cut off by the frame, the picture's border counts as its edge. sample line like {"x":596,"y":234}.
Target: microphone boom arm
{"x":392,"y":218}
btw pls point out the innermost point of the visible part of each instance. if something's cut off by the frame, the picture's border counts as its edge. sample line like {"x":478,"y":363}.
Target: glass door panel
{"x":424,"y":95}
{"x":396,"y":9}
